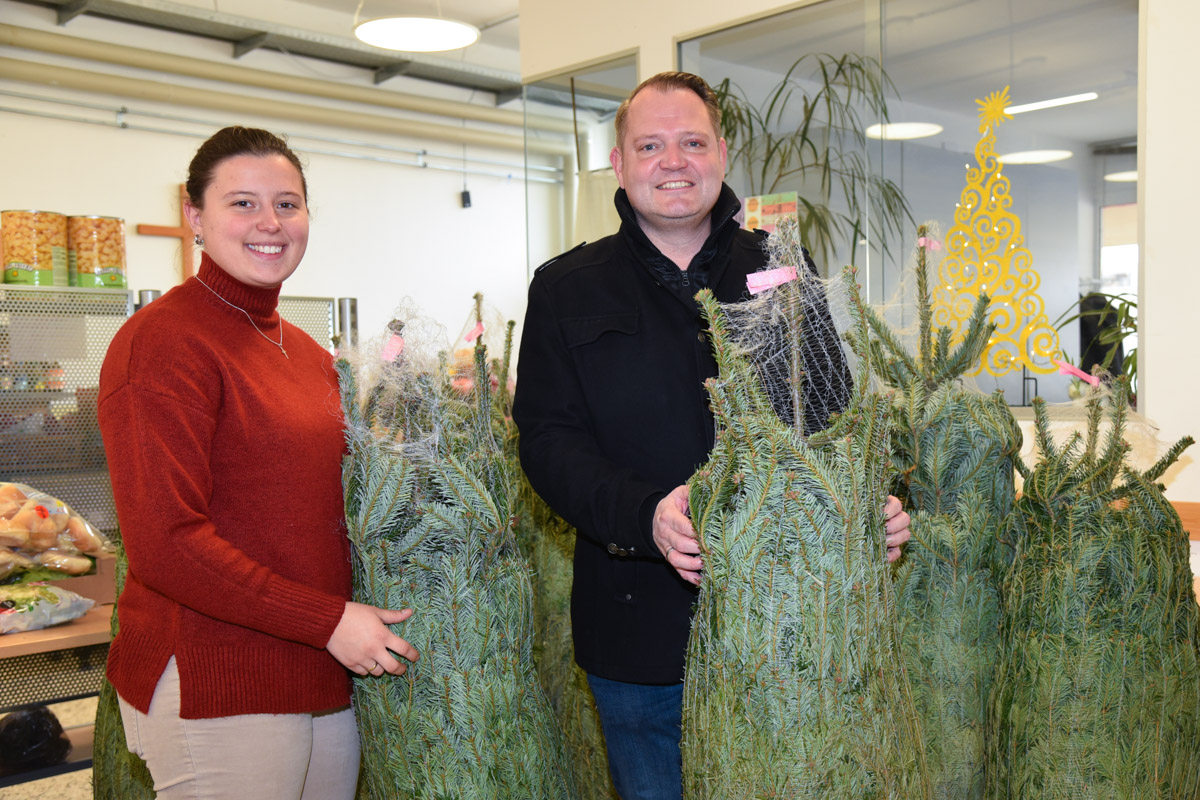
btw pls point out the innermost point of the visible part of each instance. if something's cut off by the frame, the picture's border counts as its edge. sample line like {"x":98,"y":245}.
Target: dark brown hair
{"x":235,"y":141}
{"x":667,"y":82}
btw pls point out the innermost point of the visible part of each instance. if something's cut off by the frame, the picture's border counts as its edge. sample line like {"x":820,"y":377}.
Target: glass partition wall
{"x":930,"y":61}
{"x":589,"y":97}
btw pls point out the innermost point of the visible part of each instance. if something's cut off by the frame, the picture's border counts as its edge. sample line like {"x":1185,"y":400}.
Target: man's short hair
{"x":667,"y":82}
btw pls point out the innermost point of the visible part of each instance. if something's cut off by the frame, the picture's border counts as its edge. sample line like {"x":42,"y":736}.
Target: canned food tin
{"x":96,"y":251}
{"x":35,"y":247}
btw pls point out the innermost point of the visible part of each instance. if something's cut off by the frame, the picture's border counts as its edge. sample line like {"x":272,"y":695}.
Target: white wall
{"x":380,"y":232}
{"x":558,"y":36}
{"x":1169,"y":164}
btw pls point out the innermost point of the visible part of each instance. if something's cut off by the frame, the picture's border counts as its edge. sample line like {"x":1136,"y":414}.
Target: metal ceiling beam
{"x":155,"y":91}
{"x":73,"y":9}
{"x":250,"y":44}
{"x":234,"y":29}
{"x":391,"y":71}
{"x":75,"y":47}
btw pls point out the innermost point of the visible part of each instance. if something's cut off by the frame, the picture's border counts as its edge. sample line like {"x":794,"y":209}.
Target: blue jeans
{"x":642,"y":728}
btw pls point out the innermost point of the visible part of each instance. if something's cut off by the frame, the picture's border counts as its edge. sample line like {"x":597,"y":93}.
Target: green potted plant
{"x":823,"y":154}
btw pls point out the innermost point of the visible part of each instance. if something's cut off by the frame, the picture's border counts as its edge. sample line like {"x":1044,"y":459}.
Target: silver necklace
{"x":278,"y":344}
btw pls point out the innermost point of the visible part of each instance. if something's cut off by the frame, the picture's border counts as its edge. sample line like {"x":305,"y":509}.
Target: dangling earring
{"x":199,"y":240}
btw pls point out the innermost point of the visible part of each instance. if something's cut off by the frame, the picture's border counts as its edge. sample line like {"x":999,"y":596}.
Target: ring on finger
{"x":670,"y":549}
{"x":374,"y":664}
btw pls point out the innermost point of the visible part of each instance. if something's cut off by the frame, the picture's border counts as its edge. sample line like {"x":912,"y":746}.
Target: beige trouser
{"x":263,"y":756}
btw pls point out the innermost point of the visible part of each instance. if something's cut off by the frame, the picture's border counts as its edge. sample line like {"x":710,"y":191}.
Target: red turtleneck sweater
{"x":226,"y":469}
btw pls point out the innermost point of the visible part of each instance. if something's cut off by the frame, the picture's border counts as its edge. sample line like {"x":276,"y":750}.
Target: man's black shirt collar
{"x":705,"y":268}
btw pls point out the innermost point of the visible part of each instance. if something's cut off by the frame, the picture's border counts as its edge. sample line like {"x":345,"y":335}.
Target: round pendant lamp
{"x":416,"y":34}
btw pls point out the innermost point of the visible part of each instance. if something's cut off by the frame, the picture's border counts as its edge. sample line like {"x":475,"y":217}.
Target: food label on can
{"x":103,"y":278}
{"x":19,"y":272}
{"x":61,"y":276}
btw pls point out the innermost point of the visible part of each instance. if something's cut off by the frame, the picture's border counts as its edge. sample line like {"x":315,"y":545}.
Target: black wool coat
{"x":613,"y":414}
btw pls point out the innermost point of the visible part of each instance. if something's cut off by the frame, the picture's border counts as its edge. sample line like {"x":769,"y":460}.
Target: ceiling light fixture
{"x":1129,"y":176}
{"x":896,"y":131}
{"x":1034,"y":156}
{"x":415,"y":34}
{"x":1058,"y":101}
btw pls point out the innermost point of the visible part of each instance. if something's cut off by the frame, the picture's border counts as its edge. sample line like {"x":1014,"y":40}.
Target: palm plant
{"x":824,"y":152}
{"x":1114,"y":316}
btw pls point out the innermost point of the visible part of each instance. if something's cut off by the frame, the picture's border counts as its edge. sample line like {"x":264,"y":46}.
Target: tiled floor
{"x":75,"y":785}
{"x":70,"y":786}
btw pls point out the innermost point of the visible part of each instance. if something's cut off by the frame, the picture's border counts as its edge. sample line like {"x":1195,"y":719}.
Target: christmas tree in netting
{"x":429,"y":508}
{"x":1097,"y":691}
{"x":117,"y":773}
{"x":955,"y":449}
{"x":547,"y":542}
{"x":794,"y":686}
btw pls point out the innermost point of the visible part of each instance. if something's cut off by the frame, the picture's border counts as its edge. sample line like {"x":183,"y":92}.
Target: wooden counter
{"x":1190,"y":514}
{"x":91,"y":628}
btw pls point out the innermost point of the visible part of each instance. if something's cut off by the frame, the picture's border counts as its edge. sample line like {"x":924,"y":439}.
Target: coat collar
{"x":706,"y":268}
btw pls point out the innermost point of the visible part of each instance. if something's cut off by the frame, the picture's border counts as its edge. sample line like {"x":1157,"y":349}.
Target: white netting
{"x":792,"y":332}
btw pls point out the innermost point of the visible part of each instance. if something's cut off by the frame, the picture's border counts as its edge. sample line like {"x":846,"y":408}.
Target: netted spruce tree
{"x":955,"y":449}
{"x":117,"y":774}
{"x":1097,"y":691}
{"x":793,"y":685}
{"x":429,"y":507}
{"x":548,"y":543}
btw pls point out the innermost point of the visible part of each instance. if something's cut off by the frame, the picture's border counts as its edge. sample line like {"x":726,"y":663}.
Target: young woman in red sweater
{"x":223,"y":430}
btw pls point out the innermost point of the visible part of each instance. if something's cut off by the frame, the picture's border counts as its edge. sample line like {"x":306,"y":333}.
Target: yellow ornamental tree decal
{"x":986,"y":254}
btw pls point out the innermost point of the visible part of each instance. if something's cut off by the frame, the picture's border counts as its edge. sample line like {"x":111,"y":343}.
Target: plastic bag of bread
{"x":32,"y":522}
{"x":31,"y":606}
{"x":12,"y":562}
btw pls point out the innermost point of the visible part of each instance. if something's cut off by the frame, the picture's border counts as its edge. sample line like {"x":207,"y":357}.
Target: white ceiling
{"x":944,"y":54}
{"x":496,"y":19}
{"x":940,"y":54}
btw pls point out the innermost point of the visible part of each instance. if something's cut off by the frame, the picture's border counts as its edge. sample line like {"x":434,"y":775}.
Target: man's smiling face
{"x":671,"y":162}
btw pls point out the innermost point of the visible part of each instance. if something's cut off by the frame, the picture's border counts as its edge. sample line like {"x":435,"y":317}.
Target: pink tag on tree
{"x":393,"y":348}
{"x":1070,"y":369}
{"x":475,"y":333}
{"x":768,"y":279}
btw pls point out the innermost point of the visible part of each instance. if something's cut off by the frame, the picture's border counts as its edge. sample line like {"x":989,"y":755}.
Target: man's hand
{"x":675,"y":537}
{"x":895,"y":526}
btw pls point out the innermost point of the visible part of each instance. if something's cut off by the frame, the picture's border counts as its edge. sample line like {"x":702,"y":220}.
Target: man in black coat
{"x":614,"y":417}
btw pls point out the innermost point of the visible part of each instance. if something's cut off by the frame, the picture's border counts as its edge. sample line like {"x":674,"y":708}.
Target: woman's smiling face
{"x":255,"y":220}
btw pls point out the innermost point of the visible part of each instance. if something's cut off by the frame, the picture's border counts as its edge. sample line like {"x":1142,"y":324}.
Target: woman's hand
{"x":363,"y":644}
